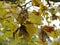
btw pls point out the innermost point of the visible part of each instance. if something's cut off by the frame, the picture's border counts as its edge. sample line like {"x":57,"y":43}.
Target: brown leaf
{"x":36,"y":3}
{"x":43,"y":8}
{"x":48,"y":28}
{"x":36,"y":13}
{"x":28,"y":22}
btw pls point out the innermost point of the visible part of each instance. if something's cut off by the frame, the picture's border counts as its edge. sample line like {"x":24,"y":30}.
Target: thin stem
{"x":27,"y":3}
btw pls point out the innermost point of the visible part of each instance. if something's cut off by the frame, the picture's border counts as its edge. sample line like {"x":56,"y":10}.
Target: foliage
{"x":19,"y":26}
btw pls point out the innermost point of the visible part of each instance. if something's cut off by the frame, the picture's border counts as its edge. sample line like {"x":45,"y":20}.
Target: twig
{"x":27,"y":3}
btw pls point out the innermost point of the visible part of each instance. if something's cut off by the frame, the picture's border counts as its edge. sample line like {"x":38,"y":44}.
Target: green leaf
{"x":35,"y":19}
{"x":1,"y":3}
{"x":54,"y":34}
{"x":3,"y":11}
{"x":31,"y":30}
{"x":56,"y":43}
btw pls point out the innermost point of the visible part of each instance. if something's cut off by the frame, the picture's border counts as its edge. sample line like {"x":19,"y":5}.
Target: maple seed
{"x":22,"y":31}
{"x":43,"y":36}
{"x":54,"y":17}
